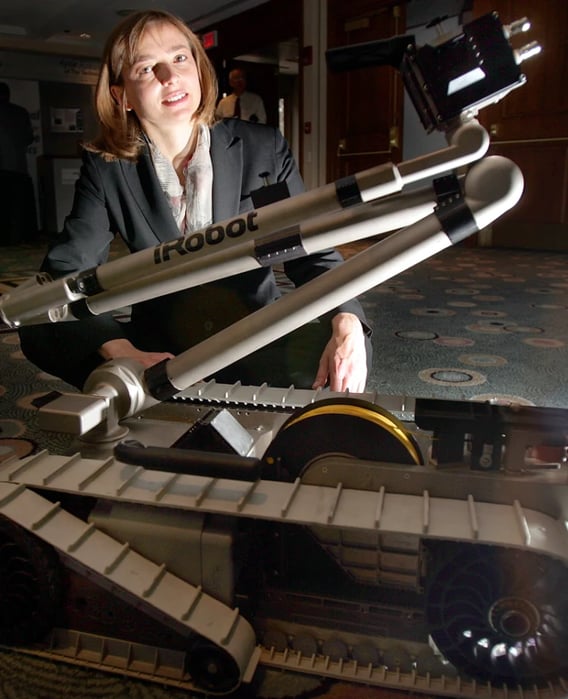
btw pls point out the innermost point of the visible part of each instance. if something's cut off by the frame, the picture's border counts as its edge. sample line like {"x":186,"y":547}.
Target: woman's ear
{"x":117,"y":91}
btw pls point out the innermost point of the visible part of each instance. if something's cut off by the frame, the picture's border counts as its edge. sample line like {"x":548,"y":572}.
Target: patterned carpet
{"x":474,"y":324}
{"x":471,"y":324}
{"x":468,"y":324}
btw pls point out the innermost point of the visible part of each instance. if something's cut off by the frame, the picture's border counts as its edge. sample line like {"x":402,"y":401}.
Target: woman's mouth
{"x":172,"y":99}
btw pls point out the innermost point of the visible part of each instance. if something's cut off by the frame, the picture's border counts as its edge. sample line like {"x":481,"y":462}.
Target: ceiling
{"x":80,"y":27}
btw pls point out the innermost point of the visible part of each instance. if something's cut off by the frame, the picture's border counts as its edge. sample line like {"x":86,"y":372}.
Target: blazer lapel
{"x":147,"y":193}
{"x":227,"y":159}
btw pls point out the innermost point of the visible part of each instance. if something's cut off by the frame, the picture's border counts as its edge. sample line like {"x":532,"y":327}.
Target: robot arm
{"x":452,"y":78}
{"x":120,"y":389}
{"x":492,"y":187}
{"x":355,"y":207}
{"x":267,"y":235}
{"x":449,"y":82}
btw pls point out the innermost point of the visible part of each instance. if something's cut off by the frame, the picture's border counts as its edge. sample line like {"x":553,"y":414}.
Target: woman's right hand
{"x":120,"y":348}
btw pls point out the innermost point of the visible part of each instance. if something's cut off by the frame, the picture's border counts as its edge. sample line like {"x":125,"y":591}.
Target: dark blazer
{"x":125,"y":198}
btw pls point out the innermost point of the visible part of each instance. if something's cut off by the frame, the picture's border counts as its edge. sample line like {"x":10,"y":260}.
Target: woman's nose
{"x":165,"y":73}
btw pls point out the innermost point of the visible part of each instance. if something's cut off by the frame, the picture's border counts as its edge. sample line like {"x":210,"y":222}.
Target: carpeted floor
{"x":468,"y":324}
{"x":474,"y":324}
{"x":471,"y":324}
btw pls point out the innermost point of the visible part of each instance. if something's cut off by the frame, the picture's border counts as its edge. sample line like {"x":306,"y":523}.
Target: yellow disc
{"x":350,"y":427}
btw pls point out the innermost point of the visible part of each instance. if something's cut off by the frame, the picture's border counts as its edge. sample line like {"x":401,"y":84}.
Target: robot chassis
{"x":390,"y":541}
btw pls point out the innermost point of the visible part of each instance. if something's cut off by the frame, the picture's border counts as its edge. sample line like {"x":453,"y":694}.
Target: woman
{"x":159,"y":169}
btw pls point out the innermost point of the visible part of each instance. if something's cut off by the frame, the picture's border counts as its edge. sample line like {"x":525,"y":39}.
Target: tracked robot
{"x":201,"y":530}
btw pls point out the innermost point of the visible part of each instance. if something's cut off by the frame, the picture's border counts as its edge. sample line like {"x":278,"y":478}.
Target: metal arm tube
{"x":360,"y":273}
{"x":31,"y":299}
{"x":492,"y":187}
{"x":324,"y":232}
{"x":467,"y":144}
{"x":183,"y":271}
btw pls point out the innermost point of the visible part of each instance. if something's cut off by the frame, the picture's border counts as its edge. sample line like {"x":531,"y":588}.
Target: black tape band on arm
{"x":348,"y":192}
{"x":158,"y":382}
{"x":80,"y":309}
{"x":86,"y":283}
{"x":279,"y":247}
{"x":454,"y":214}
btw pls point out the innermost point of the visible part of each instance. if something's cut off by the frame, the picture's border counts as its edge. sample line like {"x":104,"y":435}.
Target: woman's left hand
{"x":343,"y":364}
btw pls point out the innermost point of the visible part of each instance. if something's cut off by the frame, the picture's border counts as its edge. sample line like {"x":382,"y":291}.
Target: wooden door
{"x":530,"y":126}
{"x":365,"y":105}
{"x":256,"y":32}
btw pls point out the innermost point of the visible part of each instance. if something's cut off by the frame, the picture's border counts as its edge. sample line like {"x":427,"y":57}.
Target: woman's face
{"x":162,"y":84}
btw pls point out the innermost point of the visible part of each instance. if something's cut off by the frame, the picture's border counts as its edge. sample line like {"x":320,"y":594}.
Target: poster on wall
{"x":65,"y":120}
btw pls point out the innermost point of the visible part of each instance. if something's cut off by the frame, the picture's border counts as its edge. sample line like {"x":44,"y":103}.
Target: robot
{"x":399,"y":542}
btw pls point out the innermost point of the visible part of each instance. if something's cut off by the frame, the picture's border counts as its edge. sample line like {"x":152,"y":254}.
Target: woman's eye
{"x":145,"y":70}
{"x":180,"y":58}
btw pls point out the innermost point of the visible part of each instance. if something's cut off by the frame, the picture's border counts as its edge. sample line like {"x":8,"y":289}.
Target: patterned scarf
{"x":191,"y":205}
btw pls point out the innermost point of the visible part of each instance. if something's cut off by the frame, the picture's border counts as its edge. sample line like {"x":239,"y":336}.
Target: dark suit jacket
{"x":125,"y":198}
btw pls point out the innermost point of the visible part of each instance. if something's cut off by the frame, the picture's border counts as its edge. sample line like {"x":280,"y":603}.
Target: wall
{"x":252,"y":39}
{"x":57,"y":92}
{"x":68,"y":118}
{"x":313,"y":119}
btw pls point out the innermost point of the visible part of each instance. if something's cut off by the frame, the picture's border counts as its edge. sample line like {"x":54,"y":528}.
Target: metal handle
{"x":394,"y":141}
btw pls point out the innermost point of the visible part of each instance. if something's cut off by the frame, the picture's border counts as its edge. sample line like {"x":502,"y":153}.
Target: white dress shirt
{"x":252,"y":107}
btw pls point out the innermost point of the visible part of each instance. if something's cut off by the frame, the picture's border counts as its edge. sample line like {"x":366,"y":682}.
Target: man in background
{"x":241,"y":103}
{"x":17,"y":201}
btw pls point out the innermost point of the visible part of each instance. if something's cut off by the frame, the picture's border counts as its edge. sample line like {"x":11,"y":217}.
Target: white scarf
{"x":191,"y":205}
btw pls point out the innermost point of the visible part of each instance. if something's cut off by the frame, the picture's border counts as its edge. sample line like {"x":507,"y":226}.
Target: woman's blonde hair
{"x":120,"y":133}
